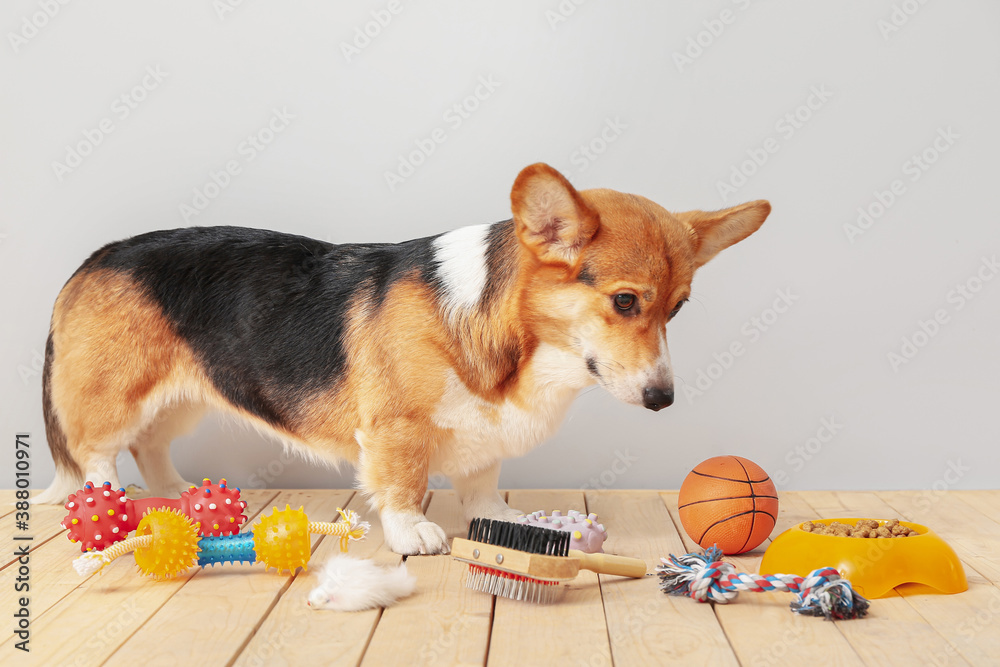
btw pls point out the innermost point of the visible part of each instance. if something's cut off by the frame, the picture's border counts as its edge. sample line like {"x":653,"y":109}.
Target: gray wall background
{"x":889,"y":107}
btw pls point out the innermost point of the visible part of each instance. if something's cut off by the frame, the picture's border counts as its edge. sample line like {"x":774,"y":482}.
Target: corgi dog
{"x":448,"y":353}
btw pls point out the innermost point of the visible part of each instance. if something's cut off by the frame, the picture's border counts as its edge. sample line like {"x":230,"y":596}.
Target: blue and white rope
{"x":705,"y":577}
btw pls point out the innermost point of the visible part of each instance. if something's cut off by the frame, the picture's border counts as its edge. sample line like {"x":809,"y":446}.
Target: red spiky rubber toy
{"x":100,"y":517}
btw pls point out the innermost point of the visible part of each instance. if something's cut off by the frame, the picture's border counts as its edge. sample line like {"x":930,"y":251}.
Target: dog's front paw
{"x":411,"y":534}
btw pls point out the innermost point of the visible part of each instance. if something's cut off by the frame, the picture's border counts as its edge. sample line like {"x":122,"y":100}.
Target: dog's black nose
{"x":657,"y":399}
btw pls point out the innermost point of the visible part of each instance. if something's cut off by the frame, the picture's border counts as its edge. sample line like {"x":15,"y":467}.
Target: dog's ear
{"x":714,"y":231}
{"x":550,"y":217}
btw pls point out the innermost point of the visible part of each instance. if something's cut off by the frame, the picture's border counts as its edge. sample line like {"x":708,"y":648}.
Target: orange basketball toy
{"x":728,"y":501}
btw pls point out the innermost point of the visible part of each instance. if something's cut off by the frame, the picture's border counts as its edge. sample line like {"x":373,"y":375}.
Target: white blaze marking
{"x":462,"y":258}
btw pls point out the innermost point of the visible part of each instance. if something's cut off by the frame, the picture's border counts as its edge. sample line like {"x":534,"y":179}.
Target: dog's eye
{"x":677,"y":308}
{"x":624,"y":301}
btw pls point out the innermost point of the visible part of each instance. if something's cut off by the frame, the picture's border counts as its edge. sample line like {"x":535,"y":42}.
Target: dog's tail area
{"x":69,"y":477}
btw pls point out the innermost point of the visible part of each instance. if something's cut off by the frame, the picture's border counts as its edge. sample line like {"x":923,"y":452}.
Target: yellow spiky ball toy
{"x":166,"y":543}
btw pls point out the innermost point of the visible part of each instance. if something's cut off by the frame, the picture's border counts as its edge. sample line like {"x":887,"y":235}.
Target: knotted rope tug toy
{"x":705,"y":577}
{"x":166,"y":542}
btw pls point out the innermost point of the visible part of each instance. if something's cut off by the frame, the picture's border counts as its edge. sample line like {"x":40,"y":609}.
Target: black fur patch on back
{"x":264,"y":311}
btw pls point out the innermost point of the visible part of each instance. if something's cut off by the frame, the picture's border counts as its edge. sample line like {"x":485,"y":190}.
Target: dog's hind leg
{"x":151,"y":449}
{"x":114,"y":364}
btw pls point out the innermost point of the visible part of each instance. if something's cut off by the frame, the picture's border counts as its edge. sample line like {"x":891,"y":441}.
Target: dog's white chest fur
{"x":485,"y":432}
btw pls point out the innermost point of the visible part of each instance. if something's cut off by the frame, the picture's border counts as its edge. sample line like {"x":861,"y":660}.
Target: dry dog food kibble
{"x":863,"y":528}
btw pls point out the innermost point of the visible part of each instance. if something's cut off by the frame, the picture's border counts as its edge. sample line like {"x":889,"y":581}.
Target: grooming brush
{"x":524,"y":562}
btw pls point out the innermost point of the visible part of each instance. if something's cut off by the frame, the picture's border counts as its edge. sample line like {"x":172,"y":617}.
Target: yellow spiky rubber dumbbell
{"x":282,"y":539}
{"x":166,"y":542}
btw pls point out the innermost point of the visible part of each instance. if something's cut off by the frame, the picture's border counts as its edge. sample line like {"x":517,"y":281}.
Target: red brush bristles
{"x":513,"y":586}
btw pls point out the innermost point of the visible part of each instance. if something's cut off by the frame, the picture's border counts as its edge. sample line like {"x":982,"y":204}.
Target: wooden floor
{"x":240,"y":615}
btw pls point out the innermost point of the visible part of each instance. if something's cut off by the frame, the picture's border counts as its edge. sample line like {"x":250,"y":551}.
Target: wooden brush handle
{"x":608,"y":564}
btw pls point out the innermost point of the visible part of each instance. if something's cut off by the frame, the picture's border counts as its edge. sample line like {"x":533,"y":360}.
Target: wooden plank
{"x":972,"y":534}
{"x":645,"y":626}
{"x":90,"y":622}
{"x":957,"y":618}
{"x":987,"y":502}
{"x":6,"y":502}
{"x":83,"y":621}
{"x":51,"y":577}
{"x":580,"y":636}
{"x":443,"y":623}
{"x":894,"y":632}
{"x":43,"y":525}
{"x":760,"y":627}
{"x":294,"y":634}
{"x":968,"y":620}
{"x":213,"y":617}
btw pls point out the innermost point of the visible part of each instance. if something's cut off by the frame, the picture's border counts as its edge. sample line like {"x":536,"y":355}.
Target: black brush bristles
{"x":520,"y":537}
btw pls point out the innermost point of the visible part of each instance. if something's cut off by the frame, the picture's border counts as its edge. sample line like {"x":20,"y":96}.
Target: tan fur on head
{"x":615,"y":243}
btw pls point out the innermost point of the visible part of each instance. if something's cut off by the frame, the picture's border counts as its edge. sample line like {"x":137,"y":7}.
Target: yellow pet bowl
{"x":875,"y":565}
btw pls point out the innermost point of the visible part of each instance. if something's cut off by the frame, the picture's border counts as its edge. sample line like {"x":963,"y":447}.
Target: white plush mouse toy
{"x":353,"y":584}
